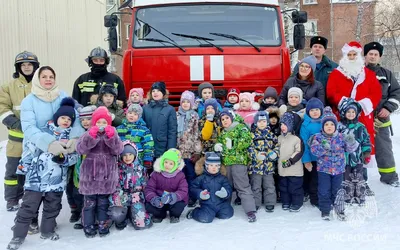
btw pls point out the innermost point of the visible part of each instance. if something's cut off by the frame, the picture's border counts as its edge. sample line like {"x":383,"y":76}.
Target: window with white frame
{"x":311,"y":27}
{"x":305,"y":2}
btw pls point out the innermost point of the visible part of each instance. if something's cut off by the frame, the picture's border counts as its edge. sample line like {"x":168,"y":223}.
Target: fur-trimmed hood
{"x":254,"y":107}
{"x":157,"y":165}
{"x":200,"y":165}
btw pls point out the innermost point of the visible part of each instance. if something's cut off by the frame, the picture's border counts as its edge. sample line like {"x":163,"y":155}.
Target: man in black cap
{"x":318,"y":45}
{"x":390,"y":102}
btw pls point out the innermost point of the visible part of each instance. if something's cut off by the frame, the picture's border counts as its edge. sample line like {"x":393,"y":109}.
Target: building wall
{"x":60,"y":33}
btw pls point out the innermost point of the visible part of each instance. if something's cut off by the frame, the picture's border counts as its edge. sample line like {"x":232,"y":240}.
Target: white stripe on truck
{"x":217,"y":68}
{"x":196,"y":68}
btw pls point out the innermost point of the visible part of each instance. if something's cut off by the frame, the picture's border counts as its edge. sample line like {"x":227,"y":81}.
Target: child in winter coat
{"x":160,"y":118}
{"x":128,"y":203}
{"x":290,"y":168}
{"x":295,"y":97}
{"x":108,"y":98}
{"x":188,"y":137}
{"x":311,"y":126}
{"x":214,"y":192}
{"x":264,"y":152}
{"x":167,"y":188}
{"x":98,"y":176}
{"x":246,"y":108}
{"x":45,"y":179}
{"x":354,"y":131}
{"x":270,"y":98}
{"x":136,"y":97}
{"x":232,"y":98}
{"x":134,"y":129}
{"x":329,"y":146}
{"x":233,"y":143}
{"x":208,"y":126}
{"x":205,"y":92}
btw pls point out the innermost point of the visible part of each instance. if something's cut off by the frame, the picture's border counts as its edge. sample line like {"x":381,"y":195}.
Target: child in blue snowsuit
{"x":213,"y":191}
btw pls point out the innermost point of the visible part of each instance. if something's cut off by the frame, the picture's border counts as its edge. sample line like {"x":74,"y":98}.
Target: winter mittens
{"x":222,"y":193}
{"x":351,"y":143}
{"x":218,"y":147}
{"x":287,"y":163}
{"x":205,"y":195}
{"x":93,"y":131}
{"x":170,"y":198}
{"x":156,"y":202}
{"x":366,"y":157}
{"x":228,"y":143}
{"x":261,"y":156}
{"x":110,"y":131}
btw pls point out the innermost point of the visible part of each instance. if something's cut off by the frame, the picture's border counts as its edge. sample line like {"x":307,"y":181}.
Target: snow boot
{"x":51,"y":236}
{"x":78,"y":226}
{"x":325,"y":216}
{"x":75,"y":216}
{"x":33,"y":228}
{"x":285,"y":207}
{"x":368,"y":191}
{"x":238,"y":201}
{"x":251,"y":217}
{"x":189,"y":215}
{"x":15,"y":243}
{"x":173,"y":219}
{"x":192,"y":203}
{"x":306,"y":197}
{"x":395,"y":184}
{"x":122,"y":225}
{"x":269,"y":208}
{"x":295,"y":208}
{"x":12,"y":206}
{"x":341,"y":216}
{"x":157,"y":220}
{"x":90,"y":231}
{"x":104,"y":228}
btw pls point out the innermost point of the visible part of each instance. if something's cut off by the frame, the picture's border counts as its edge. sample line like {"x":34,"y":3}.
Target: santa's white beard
{"x":352,"y":67}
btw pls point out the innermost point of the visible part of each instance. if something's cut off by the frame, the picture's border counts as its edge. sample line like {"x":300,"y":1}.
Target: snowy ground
{"x":375,"y":227}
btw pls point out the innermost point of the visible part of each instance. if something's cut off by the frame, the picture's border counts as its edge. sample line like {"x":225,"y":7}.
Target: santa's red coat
{"x":367,"y":86}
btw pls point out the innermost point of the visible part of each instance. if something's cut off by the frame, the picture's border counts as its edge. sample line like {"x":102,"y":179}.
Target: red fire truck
{"x":229,"y":43}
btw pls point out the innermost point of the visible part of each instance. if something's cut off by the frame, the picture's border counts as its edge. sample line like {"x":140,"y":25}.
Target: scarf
{"x":183,"y":120}
{"x":46,"y":95}
{"x":169,"y":175}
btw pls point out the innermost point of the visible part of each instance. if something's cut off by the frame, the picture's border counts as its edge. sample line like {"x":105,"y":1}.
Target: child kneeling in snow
{"x":167,"y":188}
{"x":128,"y":201}
{"x":214,"y":192}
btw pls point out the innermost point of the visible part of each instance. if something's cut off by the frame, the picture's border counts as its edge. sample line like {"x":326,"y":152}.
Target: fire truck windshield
{"x":256,"y":25}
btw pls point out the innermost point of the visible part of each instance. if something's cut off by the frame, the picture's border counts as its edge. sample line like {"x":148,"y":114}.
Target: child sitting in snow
{"x":329,"y":146}
{"x":213,"y":190}
{"x":128,"y":203}
{"x":295,"y":97}
{"x":232,"y":98}
{"x":270,"y":98}
{"x":264,"y":152}
{"x":205,"y":92}
{"x":167,"y":188}
{"x":98,"y":176}
{"x":188,"y":137}
{"x":136,"y":97}
{"x":290,"y":168}
{"x":353,"y":130}
{"x":246,"y":108}
{"x":108,"y":98}
{"x":134,"y":129}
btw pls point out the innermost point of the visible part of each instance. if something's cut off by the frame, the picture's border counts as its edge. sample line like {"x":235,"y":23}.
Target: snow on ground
{"x":375,"y":227}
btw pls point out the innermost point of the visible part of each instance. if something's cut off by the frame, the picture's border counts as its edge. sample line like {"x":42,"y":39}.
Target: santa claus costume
{"x":352,"y":79}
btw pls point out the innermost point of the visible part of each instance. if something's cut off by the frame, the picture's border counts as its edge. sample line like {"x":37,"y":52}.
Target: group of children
{"x":139,"y":163}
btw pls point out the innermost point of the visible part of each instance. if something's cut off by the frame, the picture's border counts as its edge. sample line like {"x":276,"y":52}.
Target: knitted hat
{"x":213,"y":102}
{"x":319,"y":40}
{"x":328,"y":116}
{"x":136,"y":108}
{"x":314,"y":103}
{"x":188,"y":95}
{"x":288,"y":120}
{"x":99,"y":113}
{"x":373,"y":46}
{"x":212,"y":158}
{"x":160,"y":86}
{"x":349,"y":103}
{"x":310,"y":60}
{"x":67,"y":108}
{"x":129,"y":148}
{"x":261,"y":115}
{"x":295,"y":91}
{"x":108,"y":89}
{"x":137,"y":90}
{"x":228,"y":112}
{"x":86,"y":112}
{"x":271,"y":92}
{"x":172,"y":155}
{"x":233,"y":91}
{"x":205,"y":85}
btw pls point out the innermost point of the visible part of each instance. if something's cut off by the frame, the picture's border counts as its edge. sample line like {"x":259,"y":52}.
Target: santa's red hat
{"x":352,"y":46}
{"x":101,"y":112}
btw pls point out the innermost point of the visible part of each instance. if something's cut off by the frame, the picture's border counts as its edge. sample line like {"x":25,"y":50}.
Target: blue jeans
{"x":328,"y":186}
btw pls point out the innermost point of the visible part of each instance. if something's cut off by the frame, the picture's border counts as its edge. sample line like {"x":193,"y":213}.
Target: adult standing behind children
{"x":324,"y":66}
{"x":160,"y":118}
{"x":87,"y":86}
{"x":11,"y":96}
{"x":304,"y":80}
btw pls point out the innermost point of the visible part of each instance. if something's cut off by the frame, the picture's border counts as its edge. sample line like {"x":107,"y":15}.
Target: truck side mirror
{"x":112,"y":39}
{"x":299,"y":16}
{"x":299,"y":36}
{"x":110,"y":21}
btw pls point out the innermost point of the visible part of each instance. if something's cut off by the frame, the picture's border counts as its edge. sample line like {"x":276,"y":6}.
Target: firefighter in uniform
{"x":11,"y":95}
{"x":87,"y":86}
{"x":390,"y":102}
